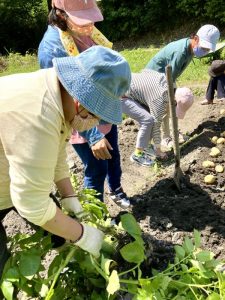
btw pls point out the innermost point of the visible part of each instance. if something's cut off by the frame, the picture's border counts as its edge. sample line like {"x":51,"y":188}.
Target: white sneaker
{"x":119,"y":197}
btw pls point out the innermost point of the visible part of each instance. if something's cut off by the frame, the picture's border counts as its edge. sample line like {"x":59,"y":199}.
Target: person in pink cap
{"x":147,"y":102}
{"x":71,"y":30}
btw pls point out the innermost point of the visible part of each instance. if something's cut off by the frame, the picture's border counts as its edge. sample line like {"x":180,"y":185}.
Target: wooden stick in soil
{"x":172,"y":104}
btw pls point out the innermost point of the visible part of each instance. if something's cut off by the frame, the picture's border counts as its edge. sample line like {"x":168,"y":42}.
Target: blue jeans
{"x":96,"y":171}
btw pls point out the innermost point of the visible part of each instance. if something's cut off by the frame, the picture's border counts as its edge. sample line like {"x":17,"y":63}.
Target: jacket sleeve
{"x":62,"y":168}
{"x":50,"y":47}
{"x":33,"y":149}
{"x":92,"y":136}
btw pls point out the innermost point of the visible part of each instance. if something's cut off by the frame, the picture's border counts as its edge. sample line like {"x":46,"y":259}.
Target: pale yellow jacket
{"x":33,"y":136}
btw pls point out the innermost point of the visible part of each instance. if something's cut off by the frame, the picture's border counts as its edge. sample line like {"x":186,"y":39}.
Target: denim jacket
{"x":50,"y":47}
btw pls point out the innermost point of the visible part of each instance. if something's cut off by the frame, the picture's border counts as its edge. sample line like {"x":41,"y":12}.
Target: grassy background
{"x":196,"y":74}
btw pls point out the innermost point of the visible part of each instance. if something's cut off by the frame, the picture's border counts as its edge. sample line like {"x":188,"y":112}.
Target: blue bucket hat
{"x":97,"y":78}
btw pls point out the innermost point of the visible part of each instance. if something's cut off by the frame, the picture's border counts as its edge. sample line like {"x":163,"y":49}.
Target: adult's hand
{"x":72,"y":204}
{"x":91,"y":240}
{"x":101,"y":149}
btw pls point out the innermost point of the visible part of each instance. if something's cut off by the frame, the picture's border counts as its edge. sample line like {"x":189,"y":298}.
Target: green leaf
{"x":188,"y":245}
{"x":12,"y":274}
{"x":130,"y":225}
{"x":7,"y":289}
{"x":204,"y":256}
{"x":213,"y":296}
{"x":198,"y":265}
{"x":133,"y":253}
{"x":55,"y":264}
{"x":180,"y":252}
{"x":184,"y":267}
{"x":165,"y":282}
{"x":107,"y":247}
{"x":29,"y":264}
{"x":114,"y":283}
{"x":197,"y":238}
{"x":98,"y":282}
{"x":105,"y":264}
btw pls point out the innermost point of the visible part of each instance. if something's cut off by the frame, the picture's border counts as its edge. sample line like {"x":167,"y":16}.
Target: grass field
{"x":196,"y":73}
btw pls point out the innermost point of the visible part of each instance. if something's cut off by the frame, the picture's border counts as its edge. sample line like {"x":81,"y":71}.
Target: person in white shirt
{"x":37,"y":114}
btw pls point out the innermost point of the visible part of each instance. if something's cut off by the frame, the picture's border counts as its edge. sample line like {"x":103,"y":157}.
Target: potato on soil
{"x":222,"y":111}
{"x":219,"y":169}
{"x":222,"y":134}
{"x":210,"y":179}
{"x":214,"y":139}
{"x":208,"y":164}
{"x":214,"y":152}
{"x":220,"y":140}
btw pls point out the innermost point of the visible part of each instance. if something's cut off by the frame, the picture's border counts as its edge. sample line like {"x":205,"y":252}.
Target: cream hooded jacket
{"x":33,"y":136}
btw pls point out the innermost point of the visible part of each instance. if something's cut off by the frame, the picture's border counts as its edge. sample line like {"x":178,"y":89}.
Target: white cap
{"x":208,"y":36}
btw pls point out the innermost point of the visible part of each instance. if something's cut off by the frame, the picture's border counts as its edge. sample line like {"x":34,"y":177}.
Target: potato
{"x":208,"y":164}
{"x":222,"y":134}
{"x":219,"y":169}
{"x":209,"y":179}
{"x":220,"y":140}
{"x":214,"y":139}
{"x":222,"y":111}
{"x":214,"y":152}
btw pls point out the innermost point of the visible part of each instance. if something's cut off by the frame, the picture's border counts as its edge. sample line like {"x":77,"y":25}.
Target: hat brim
{"x":88,"y":93}
{"x":84,"y":17}
{"x":219,"y":46}
{"x":207,"y":45}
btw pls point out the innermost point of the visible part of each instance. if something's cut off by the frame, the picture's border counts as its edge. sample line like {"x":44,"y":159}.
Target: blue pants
{"x":216,"y":84}
{"x":96,"y":171}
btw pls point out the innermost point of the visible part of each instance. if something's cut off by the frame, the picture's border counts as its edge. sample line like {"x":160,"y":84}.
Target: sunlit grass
{"x":195,"y":74}
{"x":16,"y":63}
{"x":138,"y":58}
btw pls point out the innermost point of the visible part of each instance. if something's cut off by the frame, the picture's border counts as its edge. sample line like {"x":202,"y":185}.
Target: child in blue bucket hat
{"x":40,"y":108}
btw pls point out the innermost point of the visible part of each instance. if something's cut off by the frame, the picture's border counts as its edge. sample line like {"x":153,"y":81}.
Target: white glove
{"x":91,"y":240}
{"x":72,"y":204}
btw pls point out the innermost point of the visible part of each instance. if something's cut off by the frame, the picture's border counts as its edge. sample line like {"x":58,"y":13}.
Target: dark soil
{"x":166,"y":215}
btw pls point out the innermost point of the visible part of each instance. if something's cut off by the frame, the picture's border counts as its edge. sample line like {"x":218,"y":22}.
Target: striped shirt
{"x":150,"y":89}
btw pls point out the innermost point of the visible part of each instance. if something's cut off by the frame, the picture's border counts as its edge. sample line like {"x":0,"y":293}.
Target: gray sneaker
{"x":143,"y":159}
{"x":150,"y":151}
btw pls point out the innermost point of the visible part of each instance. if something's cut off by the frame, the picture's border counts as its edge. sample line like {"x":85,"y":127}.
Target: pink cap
{"x":185,"y":99}
{"x":81,"y":12}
